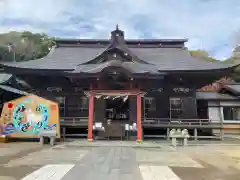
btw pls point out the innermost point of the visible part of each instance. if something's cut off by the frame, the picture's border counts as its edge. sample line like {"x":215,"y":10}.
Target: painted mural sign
{"x":28,"y":116}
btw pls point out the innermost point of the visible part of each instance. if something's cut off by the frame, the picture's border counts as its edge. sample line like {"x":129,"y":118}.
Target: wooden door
{"x":114,"y":129}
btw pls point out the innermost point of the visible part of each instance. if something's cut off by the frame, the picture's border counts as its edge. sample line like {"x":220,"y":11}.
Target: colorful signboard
{"x":29,"y":115}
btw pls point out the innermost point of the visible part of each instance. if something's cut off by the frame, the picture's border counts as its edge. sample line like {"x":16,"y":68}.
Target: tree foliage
{"x":234,"y":61}
{"x":231,"y":61}
{"x":24,"y":46}
{"x":202,"y":54}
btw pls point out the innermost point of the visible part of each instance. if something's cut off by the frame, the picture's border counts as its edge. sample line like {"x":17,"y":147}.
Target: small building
{"x":236,"y":52}
{"x":223,"y":107}
{"x":118,"y":84}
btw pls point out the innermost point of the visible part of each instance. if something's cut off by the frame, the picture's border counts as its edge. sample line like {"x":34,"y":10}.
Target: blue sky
{"x":212,"y":25}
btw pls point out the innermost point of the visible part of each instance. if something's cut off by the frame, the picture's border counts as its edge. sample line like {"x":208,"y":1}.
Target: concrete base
{"x":183,"y":141}
{"x":3,"y":139}
{"x":52,"y":140}
{"x":174,"y":142}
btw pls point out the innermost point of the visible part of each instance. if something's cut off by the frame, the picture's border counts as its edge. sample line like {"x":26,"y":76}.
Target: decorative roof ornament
{"x":217,"y":85}
{"x":117,"y":33}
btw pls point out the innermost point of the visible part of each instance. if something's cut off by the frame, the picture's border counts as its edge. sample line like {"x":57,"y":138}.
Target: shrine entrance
{"x":117,"y":111}
{"x":122,"y":118}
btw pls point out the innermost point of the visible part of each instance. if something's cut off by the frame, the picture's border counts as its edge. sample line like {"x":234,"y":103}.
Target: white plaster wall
{"x":214,"y":113}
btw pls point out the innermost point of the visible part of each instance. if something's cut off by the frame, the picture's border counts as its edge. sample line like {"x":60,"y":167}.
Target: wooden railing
{"x":189,"y":122}
{"x":73,"y":121}
{"x":83,"y":121}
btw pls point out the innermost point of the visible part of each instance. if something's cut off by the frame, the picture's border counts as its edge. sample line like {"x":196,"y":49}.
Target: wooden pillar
{"x":64,"y":133}
{"x":90,"y":116}
{"x":139,"y":118}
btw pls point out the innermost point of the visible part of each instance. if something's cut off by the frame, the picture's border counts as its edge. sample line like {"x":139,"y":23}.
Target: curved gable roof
{"x":175,"y":59}
{"x":63,"y":58}
{"x":158,"y":56}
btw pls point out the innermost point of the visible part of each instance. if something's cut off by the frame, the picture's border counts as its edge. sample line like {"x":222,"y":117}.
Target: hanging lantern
{"x":98,"y":96}
{"x":106,"y":97}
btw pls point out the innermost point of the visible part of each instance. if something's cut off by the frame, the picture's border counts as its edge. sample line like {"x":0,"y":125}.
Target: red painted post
{"x":90,"y":116}
{"x":139,"y":118}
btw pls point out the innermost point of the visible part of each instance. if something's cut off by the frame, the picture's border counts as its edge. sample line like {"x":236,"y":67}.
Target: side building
{"x":222,"y":106}
{"x":117,"y":84}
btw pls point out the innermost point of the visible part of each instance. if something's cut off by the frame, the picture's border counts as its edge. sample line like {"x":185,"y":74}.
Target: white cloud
{"x":209,"y":24}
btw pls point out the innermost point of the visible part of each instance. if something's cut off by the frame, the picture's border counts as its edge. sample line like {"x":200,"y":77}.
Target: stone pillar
{"x":222,"y":134}
{"x":139,"y":118}
{"x":195,"y":134}
{"x":90,"y":116}
{"x":174,"y":141}
{"x":168,"y":133}
{"x":185,"y":141}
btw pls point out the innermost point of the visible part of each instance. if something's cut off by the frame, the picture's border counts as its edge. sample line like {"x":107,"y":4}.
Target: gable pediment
{"x":115,"y":53}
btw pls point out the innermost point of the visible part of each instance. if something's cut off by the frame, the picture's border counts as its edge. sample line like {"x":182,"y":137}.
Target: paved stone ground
{"x":119,"y":161}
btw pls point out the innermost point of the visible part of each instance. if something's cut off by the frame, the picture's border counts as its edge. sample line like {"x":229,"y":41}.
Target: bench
{"x":48,"y":134}
{"x":182,"y":136}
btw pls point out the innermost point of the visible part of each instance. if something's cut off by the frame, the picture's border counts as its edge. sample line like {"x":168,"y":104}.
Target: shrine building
{"x":119,"y":85}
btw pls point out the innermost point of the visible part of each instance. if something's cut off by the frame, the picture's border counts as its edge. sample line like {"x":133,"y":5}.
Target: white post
{"x":195,"y":134}
{"x":168,"y":133}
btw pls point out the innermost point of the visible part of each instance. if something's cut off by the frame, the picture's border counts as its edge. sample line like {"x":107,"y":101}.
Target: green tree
{"x":234,"y":61}
{"x":202,"y":54}
{"x":24,"y":46}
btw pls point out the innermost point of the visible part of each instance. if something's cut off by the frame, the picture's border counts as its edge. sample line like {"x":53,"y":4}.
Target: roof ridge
{"x":117,"y":42}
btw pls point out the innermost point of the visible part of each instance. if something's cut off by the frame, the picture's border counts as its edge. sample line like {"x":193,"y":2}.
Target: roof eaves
{"x":5,"y":78}
{"x":232,"y":89}
{"x":13,"y":90}
{"x":230,"y":68}
{"x":214,"y":96}
{"x":15,"y":69}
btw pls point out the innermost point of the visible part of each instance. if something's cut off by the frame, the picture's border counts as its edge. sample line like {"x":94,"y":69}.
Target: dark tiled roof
{"x":61,"y":58}
{"x":167,"y":59}
{"x":4,"y":78}
{"x":160,"y":55}
{"x":164,"y":59}
{"x":214,"y":96}
{"x":234,"y":88}
{"x":130,"y":66}
{"x":13,"y":90}
{"x":128,"y":42}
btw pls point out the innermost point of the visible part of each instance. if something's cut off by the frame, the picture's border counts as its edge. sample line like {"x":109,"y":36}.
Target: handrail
{"x":168,"y":121}
{"x":73,"y":120}
{"x":157,"y":121}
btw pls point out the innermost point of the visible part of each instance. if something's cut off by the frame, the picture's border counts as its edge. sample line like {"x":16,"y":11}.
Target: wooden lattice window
{"x":150,"y":103}
{"x":176,"y":107}
{"x":231,"y":113}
